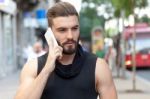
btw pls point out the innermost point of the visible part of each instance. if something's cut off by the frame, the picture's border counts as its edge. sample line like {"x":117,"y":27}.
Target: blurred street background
{"x":115,"y":30}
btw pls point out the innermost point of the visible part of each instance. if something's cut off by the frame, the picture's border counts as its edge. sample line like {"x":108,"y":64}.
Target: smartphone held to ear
{"x":50,"y":38}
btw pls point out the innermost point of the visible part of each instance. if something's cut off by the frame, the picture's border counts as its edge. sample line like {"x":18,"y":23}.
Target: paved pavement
{"x":124,"y":87}
{"x":8,"y":87}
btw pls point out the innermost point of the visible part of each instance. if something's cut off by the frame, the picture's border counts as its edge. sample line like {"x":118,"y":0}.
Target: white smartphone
{"x":50,"y":38}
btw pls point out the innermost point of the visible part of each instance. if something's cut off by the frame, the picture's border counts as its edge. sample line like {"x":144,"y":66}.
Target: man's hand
{"x":53,"y":54}
{"x":55,"y":51}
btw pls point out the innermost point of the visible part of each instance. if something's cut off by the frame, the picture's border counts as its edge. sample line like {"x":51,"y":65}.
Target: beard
{"x":69,"y":47}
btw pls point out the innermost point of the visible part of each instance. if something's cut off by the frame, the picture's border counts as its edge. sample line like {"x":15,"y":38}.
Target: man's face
{"x":66,"y":31}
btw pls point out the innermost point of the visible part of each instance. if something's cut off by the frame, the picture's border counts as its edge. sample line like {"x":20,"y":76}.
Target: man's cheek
{"x":59,"y":43}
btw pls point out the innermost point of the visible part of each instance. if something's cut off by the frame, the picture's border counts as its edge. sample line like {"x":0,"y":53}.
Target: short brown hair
{"x":60,"y":9}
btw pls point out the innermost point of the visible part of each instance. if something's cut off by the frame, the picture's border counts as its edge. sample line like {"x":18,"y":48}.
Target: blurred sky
{"x":76,"y":3}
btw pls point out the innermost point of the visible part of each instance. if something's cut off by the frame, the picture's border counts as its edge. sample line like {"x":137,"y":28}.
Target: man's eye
{"x":62,"y":30}
{"x":75,"y":28}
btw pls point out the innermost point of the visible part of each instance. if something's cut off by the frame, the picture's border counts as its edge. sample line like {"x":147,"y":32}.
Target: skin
{"x":66,"y":30}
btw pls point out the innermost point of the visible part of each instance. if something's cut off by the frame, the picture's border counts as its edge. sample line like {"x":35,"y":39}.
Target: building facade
{"x":7,"y":37}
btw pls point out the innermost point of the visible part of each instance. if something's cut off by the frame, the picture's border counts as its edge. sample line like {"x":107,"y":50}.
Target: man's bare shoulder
{"x":102,"y":67}
{"x":103,"y":72}
{"x":100,"y":61}
{"x":104,"y":81}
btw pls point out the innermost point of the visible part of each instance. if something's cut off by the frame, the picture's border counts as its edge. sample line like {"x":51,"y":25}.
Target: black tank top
{"x":80,"y":85}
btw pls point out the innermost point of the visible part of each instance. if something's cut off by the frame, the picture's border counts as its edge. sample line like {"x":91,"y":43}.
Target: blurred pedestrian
{"x":100,"y":52}
{"x":38,"y":49}
{"x":66,"y":71}
{"x":110,"y":55}
{"x":28,"y":52}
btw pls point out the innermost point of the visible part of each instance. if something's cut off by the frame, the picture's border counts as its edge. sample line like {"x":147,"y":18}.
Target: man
{"x":66,"y":71}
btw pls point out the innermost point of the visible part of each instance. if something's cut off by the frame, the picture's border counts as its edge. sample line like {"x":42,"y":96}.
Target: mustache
{"x":69,"y":41}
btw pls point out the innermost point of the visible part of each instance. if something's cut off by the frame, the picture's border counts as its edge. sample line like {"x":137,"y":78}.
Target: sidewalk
{"x":124,"y":88}
{"x":8,"y":86}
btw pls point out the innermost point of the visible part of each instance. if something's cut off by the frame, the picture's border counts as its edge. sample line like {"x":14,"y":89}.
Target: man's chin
{"x":69,"y":49}
{"x":69,"y":52}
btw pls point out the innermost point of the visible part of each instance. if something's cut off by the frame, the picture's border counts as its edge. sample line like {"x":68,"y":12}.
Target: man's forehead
{"x":65,"y":21}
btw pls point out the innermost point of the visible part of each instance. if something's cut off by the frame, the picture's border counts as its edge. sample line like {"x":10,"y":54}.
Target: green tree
{"x":26,"y":5}
{"x":88,"y":20}
{"x":127,"y":6}
{"x":89,"y":17}
{"x":143,"y":19}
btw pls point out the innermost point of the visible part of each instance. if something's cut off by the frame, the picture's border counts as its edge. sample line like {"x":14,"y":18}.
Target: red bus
{"x":142,"y":45}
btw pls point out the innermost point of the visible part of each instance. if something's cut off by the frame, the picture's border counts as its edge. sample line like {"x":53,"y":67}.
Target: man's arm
{"x":31,"y":84}
{"x":104,"y":81}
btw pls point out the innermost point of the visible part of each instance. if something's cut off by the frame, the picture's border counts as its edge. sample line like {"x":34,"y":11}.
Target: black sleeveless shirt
{"x":74,"y":81}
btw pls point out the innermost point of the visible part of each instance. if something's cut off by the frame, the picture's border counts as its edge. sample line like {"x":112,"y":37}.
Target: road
{"x":144,"y":73}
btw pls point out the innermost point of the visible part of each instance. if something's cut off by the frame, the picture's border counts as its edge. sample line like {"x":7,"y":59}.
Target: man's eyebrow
{"x":59,"y":28}
{"x":76,"y":26}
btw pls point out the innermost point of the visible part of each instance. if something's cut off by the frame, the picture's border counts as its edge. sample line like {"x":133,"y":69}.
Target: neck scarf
{"x":71,"y":70}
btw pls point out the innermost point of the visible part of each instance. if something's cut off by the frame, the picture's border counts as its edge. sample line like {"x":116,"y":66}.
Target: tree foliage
{"x":89,"y":17}
{"x":96,"y":2}
{"x":26,"y":5}
{"x":143,"y":19}
{"x":127,"y":6}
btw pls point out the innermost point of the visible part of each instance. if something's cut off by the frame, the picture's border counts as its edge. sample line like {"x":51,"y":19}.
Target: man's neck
{"x":67,"y":59}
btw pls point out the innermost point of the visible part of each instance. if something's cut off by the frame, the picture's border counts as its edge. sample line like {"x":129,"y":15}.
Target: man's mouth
{"x":69,"y":43}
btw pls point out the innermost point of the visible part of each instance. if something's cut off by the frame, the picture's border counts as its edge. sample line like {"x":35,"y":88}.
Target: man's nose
{"x":70,"y":34}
